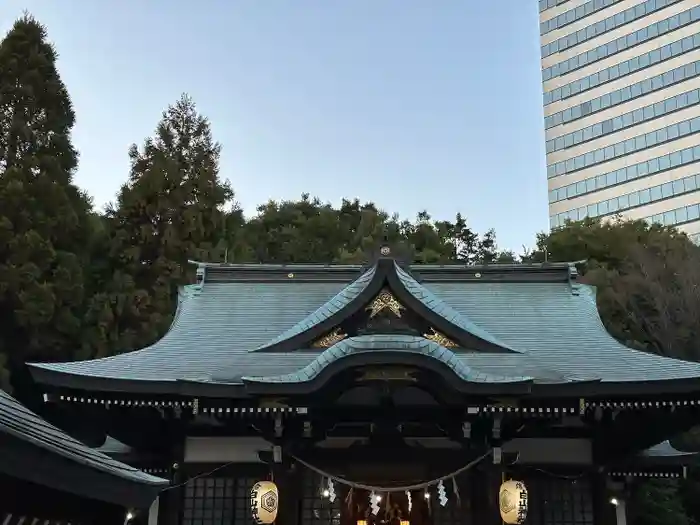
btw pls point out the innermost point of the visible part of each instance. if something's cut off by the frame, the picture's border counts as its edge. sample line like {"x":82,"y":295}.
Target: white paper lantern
{"x":264,"y":502}
{"x":512,"y":501}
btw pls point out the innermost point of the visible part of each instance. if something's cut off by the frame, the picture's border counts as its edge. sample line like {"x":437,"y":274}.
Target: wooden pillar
{"x":289,"y":482}
{"x":171,"y":500}
{"x":603,"y":510}
{"x":485,"y":495}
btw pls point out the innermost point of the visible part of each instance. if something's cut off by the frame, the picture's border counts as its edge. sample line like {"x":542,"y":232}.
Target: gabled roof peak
{"x":385,"y":282}
{"x":536,"y":272}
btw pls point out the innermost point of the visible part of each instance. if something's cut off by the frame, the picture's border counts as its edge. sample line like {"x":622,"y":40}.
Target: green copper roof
{"x":387,"y":343}
{"x":351,"y":292}
{"x":557,"y":329}
{"x":665,"y":450}
{"x":330,"y":307}
{"x":18,"y":421}
{"x":437,"y":305}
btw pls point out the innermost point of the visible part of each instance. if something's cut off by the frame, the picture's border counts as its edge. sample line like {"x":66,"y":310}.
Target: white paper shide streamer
{"x":374,"y":503}
{"x":409,"y":499}
{"x":331,"y":490}
{"x":442,"y":494}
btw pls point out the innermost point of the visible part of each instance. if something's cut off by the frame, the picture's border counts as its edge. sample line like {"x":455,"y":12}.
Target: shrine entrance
{"x":467,"y":500}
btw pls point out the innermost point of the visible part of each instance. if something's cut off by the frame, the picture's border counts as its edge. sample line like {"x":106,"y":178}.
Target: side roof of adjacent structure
{"x":36,"y":451}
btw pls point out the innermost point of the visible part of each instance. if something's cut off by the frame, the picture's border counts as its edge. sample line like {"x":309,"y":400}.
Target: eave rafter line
{"x":254,"y":410}
{"x":493,"y":409}
{"x":643,"y":474}
{"x":24,"y":519}
{"x":86,"y":400}
{"x":196,"y":405}
{"x":632,"y":405}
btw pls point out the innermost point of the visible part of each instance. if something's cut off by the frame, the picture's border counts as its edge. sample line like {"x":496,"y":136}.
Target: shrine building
{"x":384,"y":394}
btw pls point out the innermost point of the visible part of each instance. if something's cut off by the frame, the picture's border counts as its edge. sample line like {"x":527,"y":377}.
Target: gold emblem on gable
{"x":330,"y":339}
{"x":392,"y":373}
{"x":385,"y":301}
{"x":440,"y":339}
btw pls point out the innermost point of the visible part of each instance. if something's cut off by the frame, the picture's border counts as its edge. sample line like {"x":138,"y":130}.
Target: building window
{"x":217,"y":501}
{"x":316,"y":510}
{"x":624,"y":68}
{"x":556,"y":501}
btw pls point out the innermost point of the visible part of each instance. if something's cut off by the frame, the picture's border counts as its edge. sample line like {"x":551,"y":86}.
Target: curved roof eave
{"x":30,"y":437}
{"x":686,"y":370}
{"x":386,"y":344}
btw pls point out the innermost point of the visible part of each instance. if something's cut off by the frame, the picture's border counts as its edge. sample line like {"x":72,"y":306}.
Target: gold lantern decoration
{"x":512,"y":501}
{"x":264,"y":502}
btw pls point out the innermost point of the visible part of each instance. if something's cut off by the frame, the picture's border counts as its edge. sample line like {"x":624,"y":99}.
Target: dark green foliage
{"x":656,"y":502}
{"x":647,"y":278}
{"x":171,"y":209}
{"x":44,"y":218}
{"x":310,"y":231}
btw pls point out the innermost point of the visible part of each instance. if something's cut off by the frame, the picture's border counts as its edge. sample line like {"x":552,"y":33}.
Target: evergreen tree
{"x":173,"y":208}
{"x":646,"y":277}
{"x":44,"y":218}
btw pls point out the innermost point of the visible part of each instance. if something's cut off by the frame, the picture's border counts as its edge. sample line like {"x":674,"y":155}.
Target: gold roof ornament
{"x":330,"y":339}
{"x":385,"y":300}
{"x":440,"y":339}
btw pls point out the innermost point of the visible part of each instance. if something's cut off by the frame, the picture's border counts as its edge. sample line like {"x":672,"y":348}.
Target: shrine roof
{"x":35,"y":448}
{"x":532,"y":321}
{"x":665,"y":450}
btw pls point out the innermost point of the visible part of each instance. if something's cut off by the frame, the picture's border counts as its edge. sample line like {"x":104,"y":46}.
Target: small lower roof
{"x":36,"y":451}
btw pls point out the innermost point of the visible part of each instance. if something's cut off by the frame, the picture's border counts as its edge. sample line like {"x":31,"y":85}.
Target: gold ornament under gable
{"x":387,"y":374}
{"x":440,"y":339}
{"x":330,"y":339}
{"x":385,"y":301}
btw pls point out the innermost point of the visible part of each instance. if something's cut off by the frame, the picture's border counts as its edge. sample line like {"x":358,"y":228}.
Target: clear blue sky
{"x":413,"y":104}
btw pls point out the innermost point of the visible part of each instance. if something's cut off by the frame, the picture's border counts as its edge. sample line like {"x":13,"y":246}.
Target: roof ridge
{"x":549,"y":272}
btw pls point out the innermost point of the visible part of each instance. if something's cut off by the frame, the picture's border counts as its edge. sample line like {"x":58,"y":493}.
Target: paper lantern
{"x":264,"y":502}
{"x":512,"y":501}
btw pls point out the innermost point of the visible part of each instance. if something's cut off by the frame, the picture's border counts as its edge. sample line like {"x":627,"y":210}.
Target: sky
{"x":411,"y":104}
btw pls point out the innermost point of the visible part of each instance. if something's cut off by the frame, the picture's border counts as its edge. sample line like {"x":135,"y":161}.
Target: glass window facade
{"x":638,"y":63}
{"x":622,"y":95}
{"x":613,"y":22}
{"x":634,"y":128}
{"x":629,"y":200}
{"x":573,"y":15}
{"x":660,"y":164}
{"x":548,"y":4}
{"x":626,"y":147}
{"x":626,"y":120}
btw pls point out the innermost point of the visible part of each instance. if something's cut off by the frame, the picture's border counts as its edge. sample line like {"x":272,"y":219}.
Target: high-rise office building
{"x":621,"y":83}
